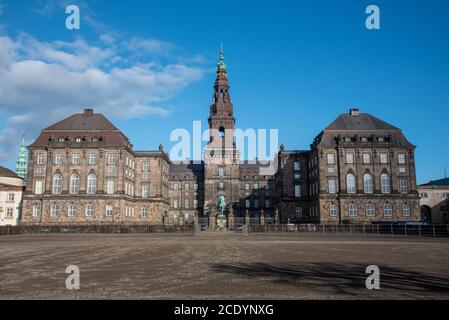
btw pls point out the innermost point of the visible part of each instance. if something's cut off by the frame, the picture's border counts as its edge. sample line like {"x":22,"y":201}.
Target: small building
{"x":11,"y":189}
{"x":434,"y":201}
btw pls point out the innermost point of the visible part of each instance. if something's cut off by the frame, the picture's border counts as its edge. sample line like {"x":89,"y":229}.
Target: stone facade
{"x":434,"y":201}
{"x":82,"y":169}
{"x":11,"y":189}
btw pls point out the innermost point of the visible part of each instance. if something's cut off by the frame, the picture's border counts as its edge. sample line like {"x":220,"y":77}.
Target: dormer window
{"x":347,"y":139}
{"x":381,"y":139}
{"x":61,"y":139}
{"x":94,"y":139}
{"x":364,"y":139}
{"x":78,"y":139}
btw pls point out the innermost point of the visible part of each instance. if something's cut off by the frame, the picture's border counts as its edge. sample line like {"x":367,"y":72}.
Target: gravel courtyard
{"x":221,"y":266}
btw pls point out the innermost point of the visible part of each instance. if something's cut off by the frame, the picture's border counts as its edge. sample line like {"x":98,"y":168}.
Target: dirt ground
{"x":221,"y":266}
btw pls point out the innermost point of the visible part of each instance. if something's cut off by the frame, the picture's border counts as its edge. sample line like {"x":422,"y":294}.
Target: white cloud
{"x":42,"y":82}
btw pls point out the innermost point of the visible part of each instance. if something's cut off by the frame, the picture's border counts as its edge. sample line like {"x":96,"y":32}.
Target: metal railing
{"x":415,"y":230}
{"x":122,"y":228}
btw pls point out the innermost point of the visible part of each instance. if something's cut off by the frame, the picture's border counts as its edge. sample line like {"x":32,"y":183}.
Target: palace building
{"x":83,"y":170}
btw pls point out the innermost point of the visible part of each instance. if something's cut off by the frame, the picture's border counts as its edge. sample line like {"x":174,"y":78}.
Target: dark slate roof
{"x":440,"y":182}
{"x":181,"y":170}
{"x":362,"y":121}
{"x":6,"y":173}
{"x":83,"y":122}
{"x":360,"y":124}
{"x":86,"y":125}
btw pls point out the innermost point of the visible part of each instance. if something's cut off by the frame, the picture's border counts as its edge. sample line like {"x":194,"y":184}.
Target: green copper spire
{"x":21,"y":166}
{"x":222,"y":64}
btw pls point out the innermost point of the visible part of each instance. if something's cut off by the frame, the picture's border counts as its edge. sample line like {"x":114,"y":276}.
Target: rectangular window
{"x":40,"y":159}
{"x":221,"y":171}
{"x":186,"y":203}
{"x":36,"y":211}
{"x":175,"y":203}
{"x":402,"y":170}
{"x":195,"y":186}
{"x":109,"y":210}
{"x":110,"y":187}
{"x":349,"y":158}
{"x":383,"y":158}
{"x":187,"y":186}
{"x":256,"y":186}
{"x":10,"y":197}
{"x":144,"y":212}
{"x":297,"y":176}
{"x":58,"y":158}
{"x":93,"y":158}
{"x":296,"y":166}
{"x":9,"y":212}
{"x":330,"y":158}
{"x":256,"y":203}
{"x":297,"y":191}
{"x":145,"y":191}
{"x":246,"y":186}
{"x":75,"y":158}
{"x":403,"y":186}
{"x":366,"y":158}
{"x":112,"y":159}
{"x":247,"y":203}
{"x":331,"y":170}
{"x":146,"y":166}
{"x":401,"y":158}
{"x":195,"y":203}
{"x":38,"y":189}
{"x":332,"y":186}
{"x":221,"y":185}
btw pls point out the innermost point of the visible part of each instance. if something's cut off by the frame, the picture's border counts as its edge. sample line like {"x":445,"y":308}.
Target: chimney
{"x":88,"y":112}
{"x":354,"y":112}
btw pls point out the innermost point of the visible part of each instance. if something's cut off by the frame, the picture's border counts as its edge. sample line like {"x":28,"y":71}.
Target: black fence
{"x":417,"y":230}
{"x":123,"y":228}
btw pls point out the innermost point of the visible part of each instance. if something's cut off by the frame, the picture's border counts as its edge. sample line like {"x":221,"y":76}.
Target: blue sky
{"x":292,"y":65}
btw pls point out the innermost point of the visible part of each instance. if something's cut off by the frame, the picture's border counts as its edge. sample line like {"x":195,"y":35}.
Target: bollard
{"x":419,"y":229}
{"x":433,"y":227}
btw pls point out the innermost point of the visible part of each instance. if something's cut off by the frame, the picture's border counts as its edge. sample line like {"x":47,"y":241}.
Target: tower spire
{"x":22,"y":163}
{"x":221,"y":64}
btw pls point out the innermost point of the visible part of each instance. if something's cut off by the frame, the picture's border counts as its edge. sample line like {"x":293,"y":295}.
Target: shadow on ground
{"x":340,"y":278}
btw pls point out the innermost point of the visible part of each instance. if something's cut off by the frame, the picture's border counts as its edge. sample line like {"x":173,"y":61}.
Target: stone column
{"x":262,"y":217}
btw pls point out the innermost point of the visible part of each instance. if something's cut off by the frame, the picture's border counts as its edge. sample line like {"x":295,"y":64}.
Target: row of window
{"x":92,"y":160}
{"x":370,"y":210}
{"x":368,"y":184}
{"x":186,"y":203}
{"x":255,"y":203}
{"x":89,"y":210}
{"x":366,"y":158}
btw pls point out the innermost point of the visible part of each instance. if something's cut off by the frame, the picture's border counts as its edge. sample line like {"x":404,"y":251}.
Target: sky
{"x":294,"y":66}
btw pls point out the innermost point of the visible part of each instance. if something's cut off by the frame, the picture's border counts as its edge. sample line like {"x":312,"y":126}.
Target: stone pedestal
{"x":212,"y":222}
{"x":221,"y":222}
{"x":181,"y":219}
{"x":247,"y":217}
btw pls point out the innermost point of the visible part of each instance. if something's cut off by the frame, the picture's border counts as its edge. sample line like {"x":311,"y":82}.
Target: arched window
{"x":74,"y":183}
{"x":71,"y":210}
{"x":388,"y":210}
{"x":385,"y":183}
{"x":57,"y":183}
{"x":36,"y":210}
{"x":91,"y":183}
{"x":298,"y":212}
{"x":406,"y":212}
{"x":368,"y":183}
{"x":370,"y":210}
{"x":54,"y":210}
{"x":90,"y":210}
{"x":352,"y":210}
{"x":350,"y":183}
{"x":333,"y":210}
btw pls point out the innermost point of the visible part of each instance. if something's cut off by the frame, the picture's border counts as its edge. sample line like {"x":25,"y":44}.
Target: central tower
{"x":221,"y":157}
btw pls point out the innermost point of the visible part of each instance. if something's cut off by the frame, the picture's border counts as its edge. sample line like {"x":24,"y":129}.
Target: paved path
{"x":221,"y":266}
